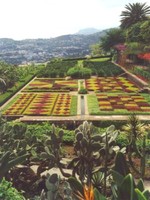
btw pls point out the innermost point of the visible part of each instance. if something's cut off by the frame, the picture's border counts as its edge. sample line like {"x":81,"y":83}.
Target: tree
{"x":133,"y":34}
{"x":96,"y":50}
{"x":134,"y":13}
{"x":113,"y":36}
{"x":145,"y":31}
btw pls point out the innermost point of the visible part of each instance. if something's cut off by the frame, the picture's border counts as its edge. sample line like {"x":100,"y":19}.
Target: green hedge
{"x":103,"y":68}
{"x":79,"y":72}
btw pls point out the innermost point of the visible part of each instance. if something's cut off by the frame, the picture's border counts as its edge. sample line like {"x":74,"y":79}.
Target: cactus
{"x":53,"y":150}
{"x":53,"y":189}
{"x":123,"y":185}
{"x":52,"y":185}
{"x":93,"y":151}
{"x":67,"y":191}
{"x":6,"y":163}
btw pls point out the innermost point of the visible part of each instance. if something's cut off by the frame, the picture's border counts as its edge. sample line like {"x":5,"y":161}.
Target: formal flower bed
{"x":110,"y":84}
{"x":62,"y":106}
{"x":71,"y":85}
{"x":119,"y":103}
{"x":47,"y":84}
{"x":44,"y":104}
{"x":39,"y":84}
{"x":21,"y":103}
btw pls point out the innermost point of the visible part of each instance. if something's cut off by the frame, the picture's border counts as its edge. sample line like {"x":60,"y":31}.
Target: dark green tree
{"x":113,"y":36}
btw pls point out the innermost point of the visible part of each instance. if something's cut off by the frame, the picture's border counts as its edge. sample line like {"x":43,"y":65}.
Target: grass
{"x":73,"y":106}
{"x":92,"y":102}
{"x":99,"y":59}
{"x":146,"y":96}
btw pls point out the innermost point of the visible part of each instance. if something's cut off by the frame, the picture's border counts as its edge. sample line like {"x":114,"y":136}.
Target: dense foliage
{"x":79,"y":72}
{"x":105,"y":68}
{"x":8,"y":192}
{"x":13,"y":78}
{"x":57,"y":68}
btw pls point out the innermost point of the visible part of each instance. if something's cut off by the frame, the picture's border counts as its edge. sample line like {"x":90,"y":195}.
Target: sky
{"x":29,"y":19}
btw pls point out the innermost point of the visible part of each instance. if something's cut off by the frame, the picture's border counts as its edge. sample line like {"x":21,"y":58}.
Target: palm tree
{"x":134,"y":13}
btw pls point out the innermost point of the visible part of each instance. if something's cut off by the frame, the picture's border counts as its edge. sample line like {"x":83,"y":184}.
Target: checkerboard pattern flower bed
{"x":62,"y":106}
{"x":41,"y":104}
{"x":126,"y":102}
{"x":47,"y":84}
{"x":21,"y":103}
{"x":110,"y":84}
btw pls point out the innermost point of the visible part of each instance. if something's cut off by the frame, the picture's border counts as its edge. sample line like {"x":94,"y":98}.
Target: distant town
{"x":41,"y":50}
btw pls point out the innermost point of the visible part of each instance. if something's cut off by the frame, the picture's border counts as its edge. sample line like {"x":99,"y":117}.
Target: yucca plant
{"x":136,"y":131}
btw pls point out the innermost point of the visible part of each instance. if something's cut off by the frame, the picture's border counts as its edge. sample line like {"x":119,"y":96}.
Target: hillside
{"x":41,"y":50}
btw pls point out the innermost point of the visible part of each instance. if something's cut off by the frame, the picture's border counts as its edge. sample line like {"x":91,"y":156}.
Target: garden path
{"x":81,"y":118}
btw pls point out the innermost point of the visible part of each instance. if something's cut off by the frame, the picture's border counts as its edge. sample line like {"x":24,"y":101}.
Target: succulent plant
{"x":94,"y":152}
{"x":53,"y":150}
{"x":135,"y":131}
{"x":6,"y":163}
{"x":53,"y":184}
{"x":123,"y":185}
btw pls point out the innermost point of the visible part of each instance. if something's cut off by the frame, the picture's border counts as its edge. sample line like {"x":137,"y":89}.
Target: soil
{"x":69,"y":151}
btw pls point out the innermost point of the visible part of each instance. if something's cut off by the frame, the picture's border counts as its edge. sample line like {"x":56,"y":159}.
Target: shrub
{"x":83,"y":91}
{"x":79,"y":72}
{"x":7,"y":192}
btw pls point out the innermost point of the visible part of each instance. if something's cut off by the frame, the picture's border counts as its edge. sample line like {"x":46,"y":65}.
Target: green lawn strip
{"x":73,"y":106}
{"x":92,"y":103}
{"x":99,"y":59}
{"x":146,"y":96}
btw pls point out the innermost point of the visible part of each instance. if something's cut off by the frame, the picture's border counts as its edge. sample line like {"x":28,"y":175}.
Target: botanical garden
{"x":55,"y":143}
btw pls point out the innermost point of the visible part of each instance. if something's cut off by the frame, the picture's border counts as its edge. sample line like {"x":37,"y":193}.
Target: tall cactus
{"x":93,"y":151}
{"x":53,"y":150}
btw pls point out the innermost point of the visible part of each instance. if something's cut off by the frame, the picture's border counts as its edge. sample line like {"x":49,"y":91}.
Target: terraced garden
{"x":59,"y":96}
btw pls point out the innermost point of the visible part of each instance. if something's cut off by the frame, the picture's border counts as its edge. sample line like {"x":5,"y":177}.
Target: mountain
{"x":87,"y":31}
{"x":41,"y":50}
